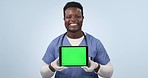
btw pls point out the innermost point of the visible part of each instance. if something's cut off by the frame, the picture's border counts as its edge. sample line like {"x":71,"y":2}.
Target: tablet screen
{"x":73,"y":56}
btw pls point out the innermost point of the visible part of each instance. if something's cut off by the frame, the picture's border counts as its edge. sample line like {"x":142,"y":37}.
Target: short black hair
{"x":73,"y":4}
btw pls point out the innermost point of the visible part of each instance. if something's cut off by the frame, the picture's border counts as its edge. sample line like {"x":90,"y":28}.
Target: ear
{"x":82,"y":17}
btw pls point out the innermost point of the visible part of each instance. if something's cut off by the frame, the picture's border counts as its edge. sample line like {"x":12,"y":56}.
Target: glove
{"x":55,"y":65}
{"x":92,"y":65}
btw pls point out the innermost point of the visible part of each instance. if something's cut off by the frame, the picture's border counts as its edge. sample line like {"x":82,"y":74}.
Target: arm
{"x":105,"y":71}
{"x":45,"y":71}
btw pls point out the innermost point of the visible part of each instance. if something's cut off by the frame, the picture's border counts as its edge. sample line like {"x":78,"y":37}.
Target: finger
{"x":57,"y":61}
{"x":82,"y":67}
{"x":89,"y":58}
{"x":62,"y":68}
{"x":57,"y":58}
{"x":85,"y":68}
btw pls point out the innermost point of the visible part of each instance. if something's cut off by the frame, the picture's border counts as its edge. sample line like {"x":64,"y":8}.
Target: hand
{"x":55,"y":65}
{"x":92,"y":66}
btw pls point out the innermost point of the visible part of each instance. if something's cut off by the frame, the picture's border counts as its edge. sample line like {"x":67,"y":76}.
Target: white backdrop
{"x":28,"y":26}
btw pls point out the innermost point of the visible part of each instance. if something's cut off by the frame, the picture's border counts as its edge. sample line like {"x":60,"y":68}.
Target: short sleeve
{"x":101,"y":56}
{"x":49,"y":54}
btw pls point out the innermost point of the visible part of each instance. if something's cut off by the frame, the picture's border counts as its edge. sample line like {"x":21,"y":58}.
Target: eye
{"x":67,"y":16}
{"x":78,"y":16}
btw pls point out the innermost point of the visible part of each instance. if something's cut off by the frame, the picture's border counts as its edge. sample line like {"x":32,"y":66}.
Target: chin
{"x":73,"y":31}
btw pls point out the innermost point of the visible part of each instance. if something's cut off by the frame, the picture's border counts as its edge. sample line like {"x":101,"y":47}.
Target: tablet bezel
{"x":60,"y":56}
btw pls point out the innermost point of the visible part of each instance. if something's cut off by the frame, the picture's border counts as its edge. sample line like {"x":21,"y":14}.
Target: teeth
{"x":73,"y":24}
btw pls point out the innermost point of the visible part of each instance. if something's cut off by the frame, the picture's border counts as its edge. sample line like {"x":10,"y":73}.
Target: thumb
{"x":57,"y":60}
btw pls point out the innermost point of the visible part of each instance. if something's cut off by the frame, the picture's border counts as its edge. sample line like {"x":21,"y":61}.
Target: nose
{"x":73,"y":19}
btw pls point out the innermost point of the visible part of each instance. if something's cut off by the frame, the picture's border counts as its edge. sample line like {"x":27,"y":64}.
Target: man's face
{"x":73,"y":19}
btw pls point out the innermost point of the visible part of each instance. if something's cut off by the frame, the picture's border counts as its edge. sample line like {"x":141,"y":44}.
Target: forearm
{"x":45,"y":71}
{"x":106,"y":71}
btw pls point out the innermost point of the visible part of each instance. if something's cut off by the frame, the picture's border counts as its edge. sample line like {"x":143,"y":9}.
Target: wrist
{"x":96,"y":69}
{"x":51,"y":68}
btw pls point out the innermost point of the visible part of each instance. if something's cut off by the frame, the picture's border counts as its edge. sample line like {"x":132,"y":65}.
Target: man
{"x":99,"y":64}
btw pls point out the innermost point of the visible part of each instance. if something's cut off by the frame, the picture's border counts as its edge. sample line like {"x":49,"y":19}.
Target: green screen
{"x":73,"y":56}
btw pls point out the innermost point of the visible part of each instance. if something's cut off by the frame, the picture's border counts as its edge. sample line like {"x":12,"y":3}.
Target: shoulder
{"x":93,"y":41}
{"x":90,"y":37}
{"x":56,"y":40}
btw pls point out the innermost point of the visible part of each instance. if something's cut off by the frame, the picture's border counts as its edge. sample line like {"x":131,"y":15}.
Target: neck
{"x":75,"y":35}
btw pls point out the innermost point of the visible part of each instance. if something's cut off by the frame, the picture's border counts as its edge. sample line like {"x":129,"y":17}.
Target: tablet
{"x":73,"y":56}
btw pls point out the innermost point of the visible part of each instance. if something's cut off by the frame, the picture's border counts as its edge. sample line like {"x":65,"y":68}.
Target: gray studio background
{"x":28,"y":26}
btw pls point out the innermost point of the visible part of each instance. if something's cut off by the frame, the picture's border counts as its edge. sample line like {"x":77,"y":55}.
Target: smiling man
{"x":99,"y":62}
{"x":73,"y":20}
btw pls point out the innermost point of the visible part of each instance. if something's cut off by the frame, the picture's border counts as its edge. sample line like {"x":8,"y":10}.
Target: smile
{"x":73,"y":24}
